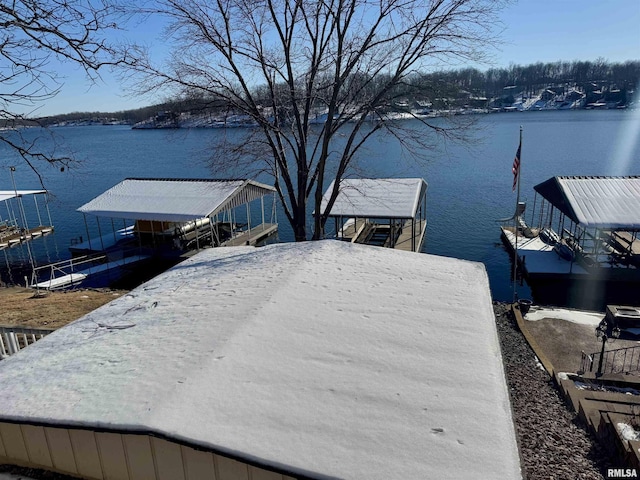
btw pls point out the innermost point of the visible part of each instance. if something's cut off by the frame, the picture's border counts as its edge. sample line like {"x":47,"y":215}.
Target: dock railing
{"x":14,"y":339}
{"x":64,"y":267}
{"x":620,"y":360}
{"x":69,"y":273}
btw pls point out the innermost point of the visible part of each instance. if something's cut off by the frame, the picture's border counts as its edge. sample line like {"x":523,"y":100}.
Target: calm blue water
{"x":469,"y":185}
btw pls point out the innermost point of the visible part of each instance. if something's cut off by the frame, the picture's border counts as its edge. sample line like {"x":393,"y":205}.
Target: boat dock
{"x":537,"y":258}
{"x":15,"y":230}
{"x":580,"y":244}
{"x":383,"y":212}
{"x":364,"y":231}
{"x":164,"y":219}
{"x":10,"y":237}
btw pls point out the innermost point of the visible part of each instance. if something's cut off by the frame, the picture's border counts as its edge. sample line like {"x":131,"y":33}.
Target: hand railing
{"x":620,"y":360}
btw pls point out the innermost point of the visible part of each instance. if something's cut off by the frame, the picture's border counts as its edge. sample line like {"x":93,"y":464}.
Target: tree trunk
{"x":300,"y":223}
{"x":318,"y":224}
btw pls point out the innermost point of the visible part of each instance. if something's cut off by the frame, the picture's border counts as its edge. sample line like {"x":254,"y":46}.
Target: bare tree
{"x":32,"y":34}
{"x":283,"y":62}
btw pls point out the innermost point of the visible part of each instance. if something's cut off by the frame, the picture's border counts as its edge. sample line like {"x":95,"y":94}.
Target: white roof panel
{"x":8,"y":194}
{"x":173,"y":200}
{"x":376,"y":198}
{"x":328,"y":359}
{"x":602,"y":202}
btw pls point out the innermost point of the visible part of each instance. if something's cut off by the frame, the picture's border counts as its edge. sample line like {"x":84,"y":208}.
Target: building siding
{"x":61,"y":450}
{"x":85,"y":451}
{"x":14,"y":442}
{"x":37,"y":446}
{"x":114,"y":456}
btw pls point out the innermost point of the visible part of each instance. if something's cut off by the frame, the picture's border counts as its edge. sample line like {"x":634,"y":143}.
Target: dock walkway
{"x":253,"y":236}
{"x":405,"y":240}
{"x":12,"y":236}
{"x":78,"y":276}
{"x":361,"y":231}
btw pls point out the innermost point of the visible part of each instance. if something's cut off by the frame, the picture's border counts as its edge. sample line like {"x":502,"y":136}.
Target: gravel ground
{"x":553,"y":444}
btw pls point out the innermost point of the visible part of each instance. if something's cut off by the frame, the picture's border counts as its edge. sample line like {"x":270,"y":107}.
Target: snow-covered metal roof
{"x":9,"y":194}
{"x":322,"y":359}
{"x":173,"y":200}
{"x":596,"y":202}
{"x":376,"y":198}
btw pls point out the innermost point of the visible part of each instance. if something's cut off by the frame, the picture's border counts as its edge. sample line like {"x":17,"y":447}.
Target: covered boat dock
{"x":14,"y":227}
{"x":580,"y":244}
{"x":386,"y":212}
{"x":582,"y":227}
{"x":163,"y":218}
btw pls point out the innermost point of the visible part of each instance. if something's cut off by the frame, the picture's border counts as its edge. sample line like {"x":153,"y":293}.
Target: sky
{"x":534,"y":31}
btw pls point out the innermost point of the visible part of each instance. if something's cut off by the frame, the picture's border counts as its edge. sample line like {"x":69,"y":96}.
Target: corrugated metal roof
{"x":173,"y":200}
{"x":596,"y":202}
{"x":376,"y":198}
{"x":7,"y":194}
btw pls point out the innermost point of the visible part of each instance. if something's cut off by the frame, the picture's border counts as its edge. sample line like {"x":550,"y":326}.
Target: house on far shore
{"x":305,"y":360}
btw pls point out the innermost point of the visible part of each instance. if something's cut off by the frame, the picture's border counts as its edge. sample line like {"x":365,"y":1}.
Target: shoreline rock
{"x":552,"y":442}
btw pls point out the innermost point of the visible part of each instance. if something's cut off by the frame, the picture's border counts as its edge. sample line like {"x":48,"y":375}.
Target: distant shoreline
{"x":206,"y":122}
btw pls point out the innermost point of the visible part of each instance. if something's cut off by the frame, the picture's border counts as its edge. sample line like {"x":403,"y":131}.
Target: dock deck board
{"x":627,"y":241}
{"x":540,"y":258}
{"x":359,"y":232}
{"x":252,"y":236}
{"x":404,"y":241}
{"x":12,"y":236}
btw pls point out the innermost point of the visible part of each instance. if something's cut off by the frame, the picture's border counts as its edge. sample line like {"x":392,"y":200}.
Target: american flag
{"x":516,"y":167}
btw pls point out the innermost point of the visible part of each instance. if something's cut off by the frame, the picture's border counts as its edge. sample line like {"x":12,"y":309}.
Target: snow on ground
{"x":328,"y":358}
{"x":581,"y":317}
{"x":628,"y":432}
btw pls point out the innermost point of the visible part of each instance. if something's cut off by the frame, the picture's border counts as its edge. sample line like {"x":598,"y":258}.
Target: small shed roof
{"x":173,"y":200}
{"x":596,"y":202}
{"x":8,"y":194}
{"x":376,"y":197}
{"x":322,"y":359}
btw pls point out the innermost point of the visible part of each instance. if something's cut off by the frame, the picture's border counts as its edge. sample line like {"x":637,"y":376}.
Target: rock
{"x":552,"y":443}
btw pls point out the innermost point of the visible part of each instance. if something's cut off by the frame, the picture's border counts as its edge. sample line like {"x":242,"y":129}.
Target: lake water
{"x":469,"y":186}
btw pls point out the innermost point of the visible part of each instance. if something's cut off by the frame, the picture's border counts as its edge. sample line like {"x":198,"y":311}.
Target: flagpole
{"x":516,"y":216}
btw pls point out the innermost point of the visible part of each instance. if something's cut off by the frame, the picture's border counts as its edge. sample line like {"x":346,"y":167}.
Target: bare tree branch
{"x":32,"y":34}
{"x":283,"y":63}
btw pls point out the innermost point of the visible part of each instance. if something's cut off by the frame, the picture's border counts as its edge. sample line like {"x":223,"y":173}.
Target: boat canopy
{"x":173,"y":200}
{"x":9,"y":194}
{"x":596,"y":202}
{"x":376,"y":197}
